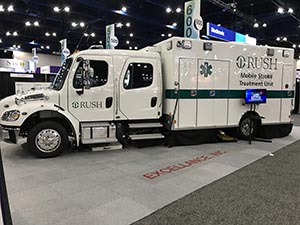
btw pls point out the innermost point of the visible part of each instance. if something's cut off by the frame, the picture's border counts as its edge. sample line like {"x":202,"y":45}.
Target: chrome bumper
{"x":10,"y":135}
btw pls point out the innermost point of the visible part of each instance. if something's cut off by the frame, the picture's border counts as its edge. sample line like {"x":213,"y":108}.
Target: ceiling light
{"x":100,"y":42}
{"x":290,"y":10}
{"x":15,"y":33}
{"x":67,"y":9}
{"x":178,"y":10}
{"x":54,"y":34}
{"x":28,"y":24}
{"x":119,"y":25}
{"x":169,"y":35}
{"x":294,"y":45}
{"x":131,"y":34}
{"x":127,"y":24}
{"x":42,"y":47}
{"x":124,"y":9}
{"x":130,"y":48}
{"x":174,"y":24}
{"x":19,"y":46}
{"x":36,"y":23}
{"x":14,"y":46}
{"x":128,"y":42}
{"x":219,"y":25}
{"x":278,"y":39}
{"x":2,"y":8}
{"x":86,"y":34}
{"x":299,"y":45}
{"x":56,"y":9}
{"x":47,"y":47}
{"x":93,"y":34}
{"x":256,"y":25}
{"x":82,"y":24}
{"x":280,"y":10}
{"x":135,"y":48}
{"x":0,"y":40}
{"x":163,"y":35}
{"x":74,"y":24}
{"x":168,"y":10}
{"x":264,"y":25}
{"x":47,"y":34}
{"x":10,"y":8}
{"x":284,"y":39}
{"x":8,"y":33}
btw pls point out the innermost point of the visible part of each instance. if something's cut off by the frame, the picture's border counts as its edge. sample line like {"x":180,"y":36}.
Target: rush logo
{"x":180,"y":166}
{"x":256,"y":63}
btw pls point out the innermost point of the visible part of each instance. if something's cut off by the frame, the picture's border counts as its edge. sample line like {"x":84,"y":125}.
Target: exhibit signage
{"x":219,"y":32}
{"x":13,"y":65}
{"x":193,"y":23}
{"x":225,"y":34}
{"x":65,"y":52}
{"x":111,"y":40}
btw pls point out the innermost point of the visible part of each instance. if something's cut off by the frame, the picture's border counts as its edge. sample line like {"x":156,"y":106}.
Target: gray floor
{"x":109,"y":187}
{"x":263,"y":193}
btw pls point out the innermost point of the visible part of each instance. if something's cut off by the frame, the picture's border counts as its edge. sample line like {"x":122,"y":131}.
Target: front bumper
{"x":9,"y":134}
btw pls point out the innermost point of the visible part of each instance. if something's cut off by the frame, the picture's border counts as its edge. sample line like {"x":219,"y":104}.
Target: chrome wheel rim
{"x":48,"y":140}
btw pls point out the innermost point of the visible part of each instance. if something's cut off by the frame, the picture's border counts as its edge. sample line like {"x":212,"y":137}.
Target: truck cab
{"x":93,"y":99}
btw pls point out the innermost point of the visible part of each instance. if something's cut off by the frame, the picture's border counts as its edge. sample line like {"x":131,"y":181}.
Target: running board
{"x":145,"y":136}
{"x":108,"y":147}
{"x":144,"y":125}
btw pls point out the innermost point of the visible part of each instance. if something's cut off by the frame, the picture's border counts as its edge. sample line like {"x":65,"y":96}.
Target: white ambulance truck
{"x":179,"y":90}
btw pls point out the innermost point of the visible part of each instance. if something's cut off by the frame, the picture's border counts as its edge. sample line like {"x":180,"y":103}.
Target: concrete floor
{"x":115,"y":187}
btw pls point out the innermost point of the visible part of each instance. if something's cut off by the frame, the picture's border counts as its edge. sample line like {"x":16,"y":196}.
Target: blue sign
{"x":219,"y":32}
{"x":240,"y":37}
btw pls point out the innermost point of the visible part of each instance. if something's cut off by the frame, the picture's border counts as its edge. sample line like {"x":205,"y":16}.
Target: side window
{"x":138,"y":75}
{"x":98,"y":74}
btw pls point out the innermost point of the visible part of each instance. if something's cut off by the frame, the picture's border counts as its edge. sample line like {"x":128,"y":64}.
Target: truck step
{"x":145,"y":136}
{"x":144,"y":125}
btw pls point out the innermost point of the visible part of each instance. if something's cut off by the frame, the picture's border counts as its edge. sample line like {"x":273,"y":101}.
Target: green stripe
{"x":238,"y":94}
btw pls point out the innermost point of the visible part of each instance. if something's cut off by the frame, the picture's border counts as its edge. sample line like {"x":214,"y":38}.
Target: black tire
{"x":244,"y":127}
{"x":38,"y":139}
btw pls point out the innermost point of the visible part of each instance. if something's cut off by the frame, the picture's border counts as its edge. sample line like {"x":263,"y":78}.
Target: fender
{"x":45,"y":109}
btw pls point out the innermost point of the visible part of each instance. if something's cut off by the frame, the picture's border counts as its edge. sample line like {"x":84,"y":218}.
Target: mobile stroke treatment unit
{"x":178,"y":90}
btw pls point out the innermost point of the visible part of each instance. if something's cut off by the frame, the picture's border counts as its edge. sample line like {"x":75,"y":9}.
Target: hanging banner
{"x":111,"y":40}
{"x":193,"y":22}
{"x":65,"y":52}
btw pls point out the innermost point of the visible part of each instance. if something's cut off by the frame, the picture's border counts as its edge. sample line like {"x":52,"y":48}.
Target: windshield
{"x":60,"y":78}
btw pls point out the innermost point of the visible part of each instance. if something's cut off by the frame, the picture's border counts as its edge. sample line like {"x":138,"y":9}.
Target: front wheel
{"x":47,"y":139}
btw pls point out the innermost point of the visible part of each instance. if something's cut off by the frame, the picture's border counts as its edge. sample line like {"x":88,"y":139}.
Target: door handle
{"x":108,"y":102}
{"x":153,"y":101}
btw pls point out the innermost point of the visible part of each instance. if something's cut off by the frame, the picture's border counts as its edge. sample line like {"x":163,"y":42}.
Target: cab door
{"x":138,"y":89}
{"x":96,"y":103}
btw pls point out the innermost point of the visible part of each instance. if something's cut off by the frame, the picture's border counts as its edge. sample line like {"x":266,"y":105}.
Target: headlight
{"x":12,"y":115}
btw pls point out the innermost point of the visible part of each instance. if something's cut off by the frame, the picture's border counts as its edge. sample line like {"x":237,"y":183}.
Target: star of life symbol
{"x":206,"y":69}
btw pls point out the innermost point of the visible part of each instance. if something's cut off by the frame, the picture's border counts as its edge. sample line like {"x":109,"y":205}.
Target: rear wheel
{"x":47,"y":139}
{"x":247,"y":127}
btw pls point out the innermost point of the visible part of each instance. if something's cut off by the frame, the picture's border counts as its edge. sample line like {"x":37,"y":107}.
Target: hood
{"x":29,"y":97}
